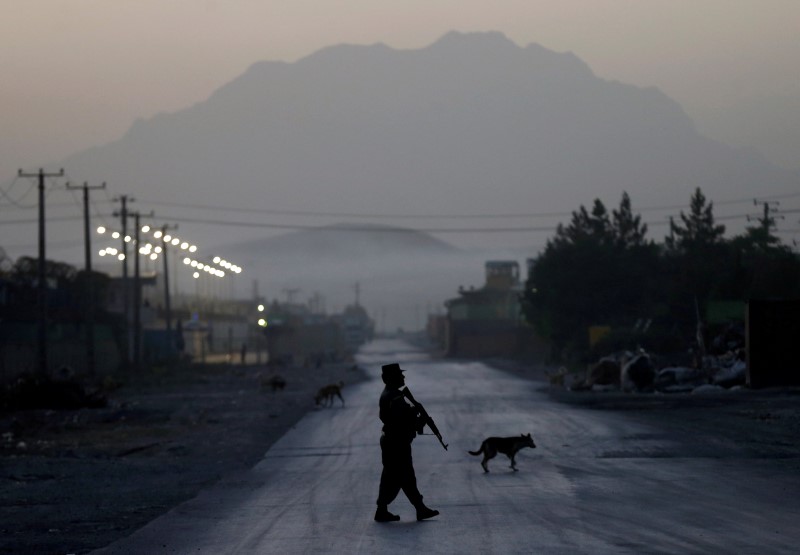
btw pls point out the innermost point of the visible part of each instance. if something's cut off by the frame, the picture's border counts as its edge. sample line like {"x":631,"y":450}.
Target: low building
{"x":487,"y":322}
{"x":357,"y":327}
{"x":297,"y":335}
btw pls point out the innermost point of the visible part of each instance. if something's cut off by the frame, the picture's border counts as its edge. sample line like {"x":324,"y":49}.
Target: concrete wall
{"x":492,"y":338}
{"x":66,"y":347}
{"x":772,"y":331}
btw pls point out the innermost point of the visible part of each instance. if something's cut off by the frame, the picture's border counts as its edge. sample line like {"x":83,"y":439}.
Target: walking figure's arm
{"x":425,"y":417}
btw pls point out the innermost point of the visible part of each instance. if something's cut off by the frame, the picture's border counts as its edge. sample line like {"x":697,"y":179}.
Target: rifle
{"x":425,"y":416}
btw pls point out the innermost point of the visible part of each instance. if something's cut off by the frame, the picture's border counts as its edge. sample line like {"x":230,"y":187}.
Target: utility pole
{"x":123,"y":214}
{"x":290,"y":292}
{"x":137,"y":292}
{"x":90,"y":308}
{"x":672,"y":230}
{"x":767,"y":221}
{"x":42,"y":285}
{"x":137,"y":299}
{"x":167,"y":307}
{"x":357,"y":288}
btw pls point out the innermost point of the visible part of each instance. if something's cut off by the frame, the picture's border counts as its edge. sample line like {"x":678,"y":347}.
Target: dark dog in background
{"x":509,"y":446}
{"x":326,"y":394}
{"x":275,"y":382}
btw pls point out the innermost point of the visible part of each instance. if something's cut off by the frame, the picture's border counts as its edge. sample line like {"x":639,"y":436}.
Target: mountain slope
{"x":472,"y":123}
{"x":347,"y":241}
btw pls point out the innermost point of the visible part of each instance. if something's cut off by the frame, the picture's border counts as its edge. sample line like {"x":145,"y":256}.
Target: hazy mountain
{"x":472,"y":124}
{"x":401,"y":274}
{"x":349,"y":241}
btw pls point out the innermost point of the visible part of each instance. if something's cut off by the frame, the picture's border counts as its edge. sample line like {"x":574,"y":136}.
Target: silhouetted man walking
{"x":401,"y":423}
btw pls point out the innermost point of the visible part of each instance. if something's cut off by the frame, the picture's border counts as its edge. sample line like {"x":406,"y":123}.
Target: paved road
{"x":597,"y":483}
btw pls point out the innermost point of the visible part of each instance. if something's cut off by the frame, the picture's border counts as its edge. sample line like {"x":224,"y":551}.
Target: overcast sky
{"x":76,"y":73}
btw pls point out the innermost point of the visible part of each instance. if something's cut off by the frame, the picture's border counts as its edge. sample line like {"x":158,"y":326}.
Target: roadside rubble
{"x":639,"y":372}
{"x":720,"y":368}
{"x":65,"y":392}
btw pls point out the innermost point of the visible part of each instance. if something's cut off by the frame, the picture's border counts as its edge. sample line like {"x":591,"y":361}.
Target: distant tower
{"x":291,"y":293}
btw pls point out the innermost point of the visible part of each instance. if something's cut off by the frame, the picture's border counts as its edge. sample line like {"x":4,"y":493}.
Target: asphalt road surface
{"x":598,"y":481}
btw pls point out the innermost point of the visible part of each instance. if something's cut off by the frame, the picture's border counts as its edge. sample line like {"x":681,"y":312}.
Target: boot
{"x":424,"y":512}
{"x":383,"y":515}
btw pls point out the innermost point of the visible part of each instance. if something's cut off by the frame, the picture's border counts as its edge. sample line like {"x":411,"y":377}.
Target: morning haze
{"x":471,"y":124}
{"x":573,"y":220}
{"x":509,"y":138}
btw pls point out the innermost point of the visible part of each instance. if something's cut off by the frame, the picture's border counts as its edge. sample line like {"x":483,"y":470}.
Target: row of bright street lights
{"x":153,"y":251}
{"x":262,"y":321}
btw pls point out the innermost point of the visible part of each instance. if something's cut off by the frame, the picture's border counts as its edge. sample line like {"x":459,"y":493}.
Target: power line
{"x":433,"y":216}
{"x":358,"y":228}
{"x":363,"y":215}
{"x":349,"y":214}
{"x":451,"y":230}
{"x":264,"y":225}
{"x":68,"y":243}
{"x":15,"y":202}
{"x":510,"y":229}
{"x":34,"y":220}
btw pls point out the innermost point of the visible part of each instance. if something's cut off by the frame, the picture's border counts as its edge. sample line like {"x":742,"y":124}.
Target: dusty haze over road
{"x":625,"y":96}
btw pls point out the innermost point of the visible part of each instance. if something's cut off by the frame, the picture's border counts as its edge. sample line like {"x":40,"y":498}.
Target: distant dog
{"x":506,"y":445}
{"x":557,"y":378}
{"x":326,"y":394}
{"x":275,"y":382}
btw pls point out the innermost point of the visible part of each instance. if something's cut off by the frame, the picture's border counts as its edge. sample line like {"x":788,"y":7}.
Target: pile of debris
{"x":718,"y":365}
{"x":637,"y":372}
{"x":66,"y":392}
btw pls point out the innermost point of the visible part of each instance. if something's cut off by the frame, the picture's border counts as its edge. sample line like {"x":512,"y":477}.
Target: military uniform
{"x":401,"y":423}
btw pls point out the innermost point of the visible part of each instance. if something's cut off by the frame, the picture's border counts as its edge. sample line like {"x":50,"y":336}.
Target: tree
{"x":628,"y":230}
{"x":585,"y":228}
{"x":697,"y":261}
{"x":6,"y":265}
{"x":760,"y":237}
{"x":699,"y":233}
{"x":26,"y":271}
{"x":596,"y":270}
{"x":762,"y":267}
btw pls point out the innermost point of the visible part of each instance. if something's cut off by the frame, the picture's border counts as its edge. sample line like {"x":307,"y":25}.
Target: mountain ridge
{"x":472,"y":120}
{"x":470,"y":125}
{"x":346,"y":240}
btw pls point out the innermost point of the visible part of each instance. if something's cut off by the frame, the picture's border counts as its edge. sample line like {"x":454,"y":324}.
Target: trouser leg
{"x":390,"y":485}
{"x":409,"y":482}
{"x":398,"y":473}
{"x":389,"y":488}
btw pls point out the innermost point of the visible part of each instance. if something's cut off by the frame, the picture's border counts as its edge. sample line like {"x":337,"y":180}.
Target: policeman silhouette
{"x":401,"y":423}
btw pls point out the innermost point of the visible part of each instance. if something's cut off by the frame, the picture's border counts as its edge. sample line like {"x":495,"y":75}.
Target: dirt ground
{"x":742,"y":423}
{"x":72,"y":481}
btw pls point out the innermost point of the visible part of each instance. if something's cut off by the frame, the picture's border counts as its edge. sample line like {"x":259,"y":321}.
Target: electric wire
{"x":103,"y":217}
{"x":5,"y":193}
{"x":218,"y":208}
